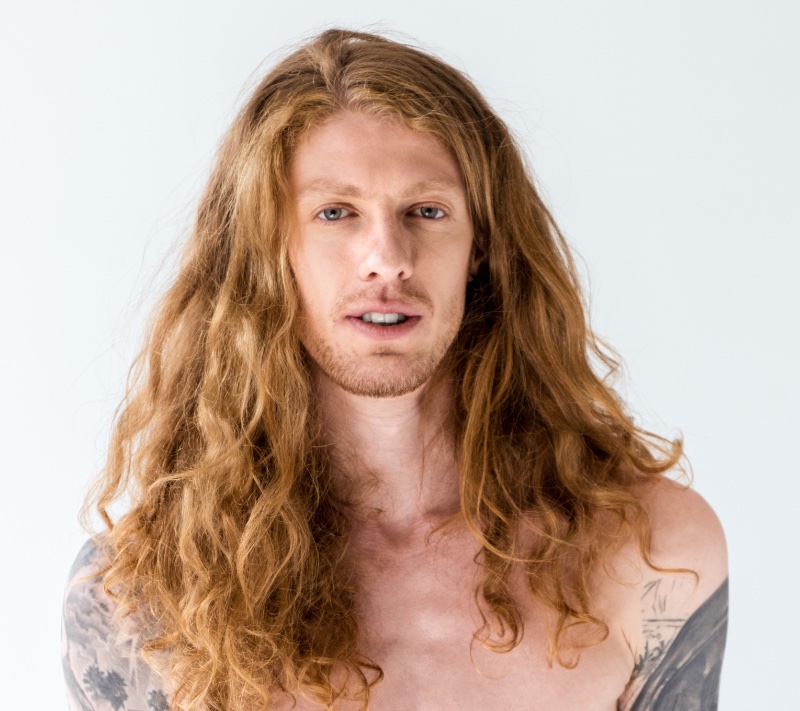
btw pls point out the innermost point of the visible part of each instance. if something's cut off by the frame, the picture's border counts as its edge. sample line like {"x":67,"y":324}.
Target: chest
{"x":418,"y":613}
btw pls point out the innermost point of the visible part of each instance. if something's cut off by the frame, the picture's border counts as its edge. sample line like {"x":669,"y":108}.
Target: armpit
{"x":103,"y":666}
{"x":682,"y":674}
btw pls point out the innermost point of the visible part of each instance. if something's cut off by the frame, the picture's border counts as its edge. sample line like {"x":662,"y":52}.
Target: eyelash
{"x":349,"y":212}
{"x":431,"y":207}
{"x":328,"y":209}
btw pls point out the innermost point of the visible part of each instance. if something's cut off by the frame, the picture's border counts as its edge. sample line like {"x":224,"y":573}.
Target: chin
{"x":381,"y":382}
{"x":380,"y":388}
{"x":380,"y":376}
{"x":385,"y":373}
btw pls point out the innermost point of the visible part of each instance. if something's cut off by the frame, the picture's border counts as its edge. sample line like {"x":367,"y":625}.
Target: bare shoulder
{"x":686,"y":533}
{"x":102,"y":663}
{"x":677,"y":620}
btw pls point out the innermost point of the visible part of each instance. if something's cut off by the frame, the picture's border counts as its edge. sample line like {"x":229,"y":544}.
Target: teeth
{"x":377,"y":317}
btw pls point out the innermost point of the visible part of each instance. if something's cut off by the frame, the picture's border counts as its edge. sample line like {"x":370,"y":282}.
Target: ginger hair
{"x":233,"y":541}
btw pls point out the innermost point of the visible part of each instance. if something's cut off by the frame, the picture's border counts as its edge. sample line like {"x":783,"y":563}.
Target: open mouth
{"x":383,"y":319}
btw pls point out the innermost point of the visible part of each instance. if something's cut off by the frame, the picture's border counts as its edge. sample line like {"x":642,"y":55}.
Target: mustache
{"x":412,"y":295}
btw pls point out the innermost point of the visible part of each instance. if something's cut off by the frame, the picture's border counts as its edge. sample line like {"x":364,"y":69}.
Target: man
{"x":368,"y":459}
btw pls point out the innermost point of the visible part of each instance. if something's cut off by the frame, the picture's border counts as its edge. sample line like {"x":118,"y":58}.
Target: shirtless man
{"x":369,"y":464}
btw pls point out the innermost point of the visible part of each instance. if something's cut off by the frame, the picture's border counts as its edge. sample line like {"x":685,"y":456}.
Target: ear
{"x":474,"y":262}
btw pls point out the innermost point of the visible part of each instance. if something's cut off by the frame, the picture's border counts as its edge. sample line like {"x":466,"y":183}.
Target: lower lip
{"x":384,"y":333}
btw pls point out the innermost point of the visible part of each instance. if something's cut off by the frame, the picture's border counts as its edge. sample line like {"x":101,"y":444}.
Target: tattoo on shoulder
{"x":680,"y":665}
{"x":102,"y":662}
{"x":659,"y":625}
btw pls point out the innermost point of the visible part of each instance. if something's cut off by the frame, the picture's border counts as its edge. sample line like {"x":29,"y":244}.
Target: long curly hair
{"x":233,"y":542}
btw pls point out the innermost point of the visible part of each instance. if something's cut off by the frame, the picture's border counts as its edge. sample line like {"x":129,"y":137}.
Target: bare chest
{"x":418,"y":614}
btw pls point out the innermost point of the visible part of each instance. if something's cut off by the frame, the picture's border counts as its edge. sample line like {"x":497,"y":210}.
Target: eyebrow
{"x":330,"y":186}
{"x":323,"y":185}
{"x":424,"y":186}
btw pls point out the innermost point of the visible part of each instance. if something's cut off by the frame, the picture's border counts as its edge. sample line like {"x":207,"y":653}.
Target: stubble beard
{"x":381,"y":374}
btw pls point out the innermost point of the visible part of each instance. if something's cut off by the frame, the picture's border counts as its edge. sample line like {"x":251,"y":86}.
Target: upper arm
{"x":103,"y":666}
{"x":679,"y":623}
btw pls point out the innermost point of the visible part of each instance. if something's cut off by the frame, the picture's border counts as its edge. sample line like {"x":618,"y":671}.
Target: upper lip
{"x":382,"y":307}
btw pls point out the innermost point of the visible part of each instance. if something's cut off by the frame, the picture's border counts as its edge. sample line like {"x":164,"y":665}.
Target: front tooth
{"x":377,"y":317}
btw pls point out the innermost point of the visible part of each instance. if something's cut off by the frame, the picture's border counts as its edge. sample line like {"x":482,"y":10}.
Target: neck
{"x":393,"y":459}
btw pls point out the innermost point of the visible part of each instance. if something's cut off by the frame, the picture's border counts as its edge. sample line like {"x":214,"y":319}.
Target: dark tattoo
{"x":103,"y":666}
{"x":684,"y":675}
{"x":109,"y":686}
{"x":157,"y":700}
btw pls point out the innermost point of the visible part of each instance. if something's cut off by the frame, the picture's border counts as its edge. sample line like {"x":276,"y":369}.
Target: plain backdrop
{"x":663,"y":136}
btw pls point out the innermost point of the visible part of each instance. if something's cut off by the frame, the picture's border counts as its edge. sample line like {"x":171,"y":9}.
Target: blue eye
{"x":429,"y":212}
{"x":331,"y":214}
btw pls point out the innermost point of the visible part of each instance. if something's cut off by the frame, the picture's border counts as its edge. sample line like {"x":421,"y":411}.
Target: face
{"x":381,"y":249}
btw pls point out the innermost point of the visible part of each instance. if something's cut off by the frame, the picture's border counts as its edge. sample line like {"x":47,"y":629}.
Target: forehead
{"x":372,"y":154}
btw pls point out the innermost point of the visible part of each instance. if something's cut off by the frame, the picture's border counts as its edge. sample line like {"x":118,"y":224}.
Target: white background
{"x":664,"y":136}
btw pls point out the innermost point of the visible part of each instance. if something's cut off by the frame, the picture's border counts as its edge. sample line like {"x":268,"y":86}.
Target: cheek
{"x":301,"y":278}
{"x":449,"y":271}
{"x":315,"y":276}
{"x":449,"y":293}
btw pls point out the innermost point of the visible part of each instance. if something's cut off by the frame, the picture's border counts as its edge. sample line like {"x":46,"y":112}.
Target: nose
{"x":388,"y":253}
